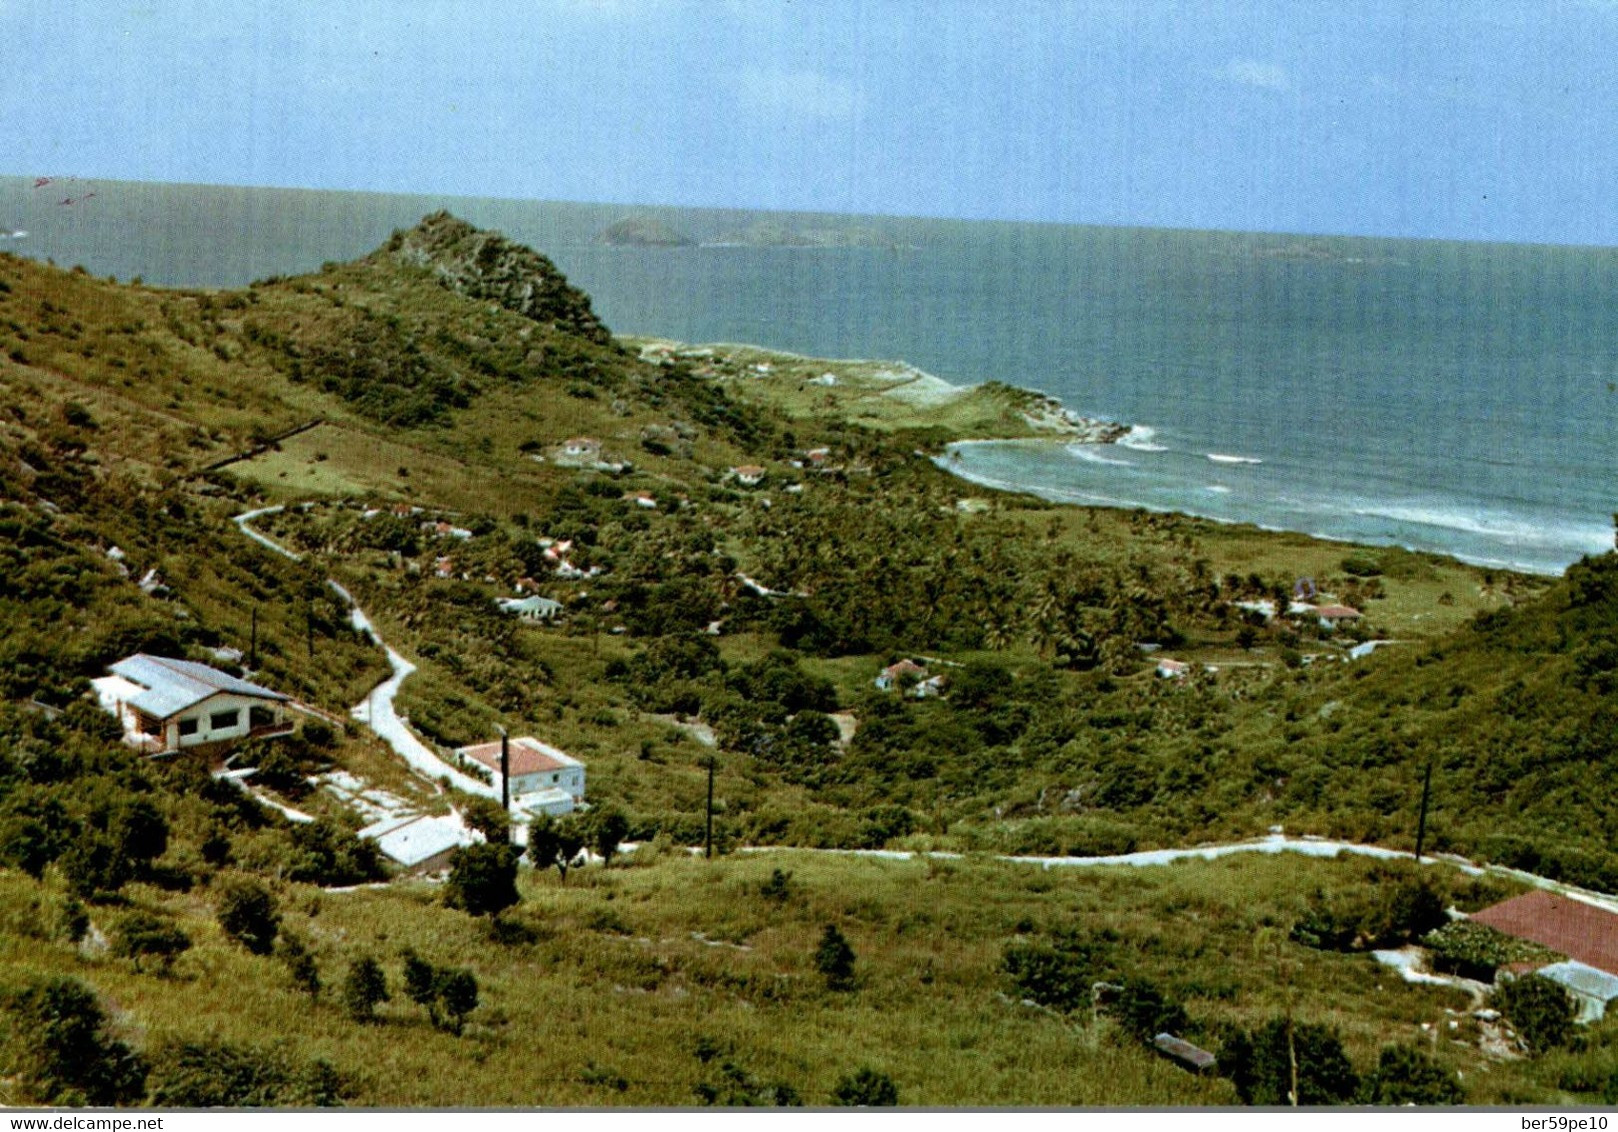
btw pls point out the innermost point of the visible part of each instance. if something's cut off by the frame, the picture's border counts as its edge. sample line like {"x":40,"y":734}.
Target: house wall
{"x":569,"y":778}
{"x":204,"y":713}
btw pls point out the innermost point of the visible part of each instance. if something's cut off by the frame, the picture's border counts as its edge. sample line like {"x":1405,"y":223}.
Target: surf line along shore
{"x":376,"y":711}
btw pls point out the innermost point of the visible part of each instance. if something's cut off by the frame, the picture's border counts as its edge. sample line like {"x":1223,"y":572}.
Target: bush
{"x":247,"y":915}
{"x":217,"y":1074}
{"x":1541,"y":1012}
{"x":1260,"y":1064}
{"x":139,"y":935}
{"x":1057,"y":975}
{"x":482,"y":879}
{"x":58,"y":1050}
{"x":1143,"y":1011}
{"x":364,"y":988}
{"x":866,"y":1088}
{"x":834,"y":959}
{"x":1406,"y":1075}
{"x":300,"y":964}
{"x":1475,"y":951}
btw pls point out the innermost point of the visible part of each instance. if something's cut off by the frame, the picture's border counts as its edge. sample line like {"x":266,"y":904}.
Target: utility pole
{"x":707,"y":828}
{"x":1421,"y":824}
{"x":505,"y":768}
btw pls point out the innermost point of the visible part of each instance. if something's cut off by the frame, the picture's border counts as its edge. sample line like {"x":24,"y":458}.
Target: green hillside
{"x":746,"y":551}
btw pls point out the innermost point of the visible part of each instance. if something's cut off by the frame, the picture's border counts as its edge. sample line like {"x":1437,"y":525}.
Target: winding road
{"x":376,"y":711}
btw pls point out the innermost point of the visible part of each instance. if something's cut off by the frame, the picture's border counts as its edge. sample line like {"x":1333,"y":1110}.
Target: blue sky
{"x":1475,"y":120}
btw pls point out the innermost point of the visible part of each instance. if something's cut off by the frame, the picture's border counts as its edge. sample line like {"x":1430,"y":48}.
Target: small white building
{"x":543,"y":778}
{"x":166,"y":704}
{"x":419,"y":843}
{"x":895,"y":675}
{"x":748,"y":475}
{"x":533,"y":608}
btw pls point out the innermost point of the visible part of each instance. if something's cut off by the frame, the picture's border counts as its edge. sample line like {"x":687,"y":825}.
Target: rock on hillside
{"x":486,"y":265}
{"x":643,"y":232}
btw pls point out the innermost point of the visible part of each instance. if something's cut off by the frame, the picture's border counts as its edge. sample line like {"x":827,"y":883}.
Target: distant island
{"x":643,"y":232}
{"x":773,"y":234}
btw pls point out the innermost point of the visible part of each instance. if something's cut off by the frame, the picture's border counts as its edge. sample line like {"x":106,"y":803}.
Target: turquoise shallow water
{"x":1449,"y":397}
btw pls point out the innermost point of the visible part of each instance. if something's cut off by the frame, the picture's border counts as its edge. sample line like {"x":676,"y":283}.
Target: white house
{"x":166,"y":704}
{"x":543,"y":779}
{"x":533,"y":608}
{"x":418,"y":843}
{"x":894,"y":674}
{"x":748,"y":475}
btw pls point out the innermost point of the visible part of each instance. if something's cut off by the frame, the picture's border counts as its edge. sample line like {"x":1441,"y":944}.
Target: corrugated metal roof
{"x":414,"y":840}
{"x":1582,"y":979}
{"x":1182,"y":1050}
{"x":173,"y":685}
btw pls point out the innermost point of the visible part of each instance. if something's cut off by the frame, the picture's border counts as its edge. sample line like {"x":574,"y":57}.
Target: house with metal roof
{"x":166,"y":704}
{"x":531,"y":608}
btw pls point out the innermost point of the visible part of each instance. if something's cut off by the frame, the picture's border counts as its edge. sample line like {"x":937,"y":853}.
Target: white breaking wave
{"x":1222,"y":458}
{"x":1088,"y":453}
{"x":1218,"y":488}
{"x":1494,"y":526}
{"x":1140,"y":439}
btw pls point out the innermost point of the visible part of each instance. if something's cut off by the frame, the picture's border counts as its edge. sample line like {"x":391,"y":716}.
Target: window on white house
{"x":188,"y":726}
{"x":220,"y":720}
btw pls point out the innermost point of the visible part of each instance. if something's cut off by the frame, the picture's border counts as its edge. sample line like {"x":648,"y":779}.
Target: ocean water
{"x":1460,"y":398}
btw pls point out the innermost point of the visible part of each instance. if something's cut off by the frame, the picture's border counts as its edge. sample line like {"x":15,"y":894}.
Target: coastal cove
{"x":1449,"y":397}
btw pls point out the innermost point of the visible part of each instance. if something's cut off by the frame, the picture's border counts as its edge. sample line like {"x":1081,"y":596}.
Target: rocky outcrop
{"x":487,"y":266}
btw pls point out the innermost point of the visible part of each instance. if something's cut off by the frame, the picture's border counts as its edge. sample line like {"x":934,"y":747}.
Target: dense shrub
{"x":214,"y":1074}
{"x":866,"y":1088}
{"x":247,"y":914}
{"x":1405,"y":1075}
{"x":834,"y":959}
{"x":1058,"y":974}
{"x":482,"y":879}
{"x":58,"y":1050}
{"x":1260,"y":1064}
{"x":1541,"y":1012}
{"x":140,"y":935}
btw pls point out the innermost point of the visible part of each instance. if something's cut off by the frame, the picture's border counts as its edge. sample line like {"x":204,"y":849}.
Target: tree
{"x":364,"y":988}
{"x":458,"y":991}
{"x":487,"y":817}
{"x":1406,"y":1075}
{"x":834,"y":959}
{"x":482,"y":879}
{"x":608,"y":828}
{"x":421,"y":984}
{"x":866,"y":1088}
{"x":1260,"y":1064}
{"x":247,"y":914}
{"x":142,"y":934}
{"x":59,"y":1051}
{"x":1540,"y":1011}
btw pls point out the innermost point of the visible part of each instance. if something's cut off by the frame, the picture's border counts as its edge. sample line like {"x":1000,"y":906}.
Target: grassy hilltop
{"x":747,"y":546}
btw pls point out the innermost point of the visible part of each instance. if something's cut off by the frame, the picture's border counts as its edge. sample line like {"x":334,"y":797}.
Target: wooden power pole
{"x":1421,"y":823}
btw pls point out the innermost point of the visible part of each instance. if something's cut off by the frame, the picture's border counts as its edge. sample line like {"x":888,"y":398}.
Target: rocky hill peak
{"x":486,"y":265}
